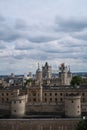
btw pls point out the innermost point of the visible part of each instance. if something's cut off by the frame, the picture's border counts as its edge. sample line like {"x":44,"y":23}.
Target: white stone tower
{"x":18,"y":103}
{"x":65,"y":75}
{"x":72,"y":105}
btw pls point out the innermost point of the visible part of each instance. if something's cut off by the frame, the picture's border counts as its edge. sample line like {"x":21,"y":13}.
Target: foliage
{"x":76,"y":80}
{"x":28,"y":81}
{"x":82,"y":125}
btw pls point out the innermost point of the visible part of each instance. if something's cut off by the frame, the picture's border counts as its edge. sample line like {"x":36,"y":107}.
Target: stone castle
{"x":43,"y":94}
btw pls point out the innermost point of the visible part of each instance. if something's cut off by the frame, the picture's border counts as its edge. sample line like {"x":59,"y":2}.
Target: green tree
{"x":76,"y":80}
{"x":28,"y":81}
{"x":82,"y":125}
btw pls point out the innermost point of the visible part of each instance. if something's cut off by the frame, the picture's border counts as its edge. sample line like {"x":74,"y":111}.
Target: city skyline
{"x":33,"y":32}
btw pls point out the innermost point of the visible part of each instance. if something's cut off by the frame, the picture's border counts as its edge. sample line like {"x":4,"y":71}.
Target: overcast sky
{"x":33,"y":31}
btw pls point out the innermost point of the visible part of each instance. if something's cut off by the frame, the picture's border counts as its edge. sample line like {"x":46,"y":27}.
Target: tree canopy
{"x":28,"y":81}
{"x":82,"y":125}
{"x":76,"y":80}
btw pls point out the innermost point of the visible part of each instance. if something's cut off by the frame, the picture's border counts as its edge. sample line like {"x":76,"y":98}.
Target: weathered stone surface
{"x":38,"y":124}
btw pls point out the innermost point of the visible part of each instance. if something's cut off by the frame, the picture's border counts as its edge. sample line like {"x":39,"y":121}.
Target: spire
{"x":38,"y":66}
{"x":69,"y":68}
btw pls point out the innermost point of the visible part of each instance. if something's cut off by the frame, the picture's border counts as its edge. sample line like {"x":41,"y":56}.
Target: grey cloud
{"x":70,"y":25}
{"x":58,"y":51}
{"x":40,"y":39}
{"x":21,"y":25}
{"x":20,"y":29}
{"x":2,"y":19}
{"x":9,"y":37}
{"x":23,"y":44}
{"x":81,"y":35}
{"x":8,"y":34}
{"x":19,"y":57}
{"x":2,"y":45}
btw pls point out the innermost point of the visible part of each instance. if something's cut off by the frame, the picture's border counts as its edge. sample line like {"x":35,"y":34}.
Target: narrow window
{"x":45,"y":94}
{"x":72,"y":101}
{"x":55,"y":94}
{"x":61,"y":99}
{"x":45,"y":99}
{"x":50,"y":94}
{"x":2,"y":94}
{"x":61,"y":94}
{"x":50,"y":99}
{"x":55,"y":99}
{"x":7,"y":94}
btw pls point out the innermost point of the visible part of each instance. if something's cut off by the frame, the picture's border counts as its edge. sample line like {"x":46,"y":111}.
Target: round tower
{"x":72,"y":105}
{"x":18,"y":104}
{"x":38,"y":74}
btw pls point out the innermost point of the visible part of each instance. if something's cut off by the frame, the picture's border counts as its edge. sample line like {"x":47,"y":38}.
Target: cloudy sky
{"x":33,"y":31}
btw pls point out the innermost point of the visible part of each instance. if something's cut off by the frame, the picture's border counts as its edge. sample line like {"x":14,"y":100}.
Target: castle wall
{"x":45,"y":108}
{"x":4,"y":106}
{"x":18,"y":106}
{"x":39,"y":124}
{"x":73,"y":106}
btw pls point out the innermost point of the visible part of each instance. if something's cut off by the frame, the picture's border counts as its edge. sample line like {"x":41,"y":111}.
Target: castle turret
{"x":38,"y":74}
{"x":72,"y":105}
{"x":47,"y":71}
{"x":18,"y":103}
{"x":65,"y":75}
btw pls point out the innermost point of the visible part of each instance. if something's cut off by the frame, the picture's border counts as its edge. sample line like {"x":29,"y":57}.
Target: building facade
{"x":45,"y":94}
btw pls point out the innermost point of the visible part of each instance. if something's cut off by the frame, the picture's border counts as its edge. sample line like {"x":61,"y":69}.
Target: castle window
{"x":83,"y":99}
{"x":2,"y":94}
{"x":14,"y":110}
{"x":34,"y":99}
{"x":45,"y":94}
{"x":61,"y":94}
{"x":61,"y":99}
{"x":7,"y":99}
{"x":50,"y":94}
{"x":55,"y":99}
{"x":72,"y":101}
{"x":78,"y":106}
{"x":45,"y":99}
{"x":7,"y":94}
{"x":50,"y":99}
{"x":83,"y":94}
{"x":55,"y":94}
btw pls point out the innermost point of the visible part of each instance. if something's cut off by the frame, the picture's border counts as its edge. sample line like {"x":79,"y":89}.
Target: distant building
{"x":44,"y":94}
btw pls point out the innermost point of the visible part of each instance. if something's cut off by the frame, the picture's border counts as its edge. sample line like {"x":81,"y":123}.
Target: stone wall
{"x":39,"y":124}
{"x":45,"y":108}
